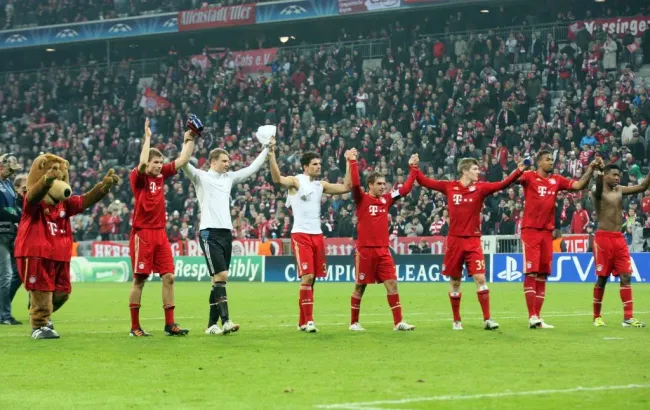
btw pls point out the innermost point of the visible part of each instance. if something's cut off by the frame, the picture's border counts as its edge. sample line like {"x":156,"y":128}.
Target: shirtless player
{"x":611,"y":254}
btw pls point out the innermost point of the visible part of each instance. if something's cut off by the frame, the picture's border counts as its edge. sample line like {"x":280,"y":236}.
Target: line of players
{"x":150,"y":251}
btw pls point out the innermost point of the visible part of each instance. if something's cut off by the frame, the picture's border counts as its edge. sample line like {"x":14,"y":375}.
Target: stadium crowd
{"x":484,"y":96}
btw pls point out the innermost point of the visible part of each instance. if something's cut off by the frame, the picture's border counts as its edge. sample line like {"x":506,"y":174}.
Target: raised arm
{"x":337,"y":189}
{"x":582,"y":183}
{"x":41,"y":188}
{"x":643,"y":186}
{"x":492,"y":187}
{"x":276,"y":176}
{"x":100,"y":190}
{"x":353,"y":176}
{"x":440,"y":186}
{"x":408,"y":184}
{"x":598,"y":191}
{"x":245,"y":173}
{"x":188,"y":149}
{"x":191,"y":173}
{"x":144,"y":154}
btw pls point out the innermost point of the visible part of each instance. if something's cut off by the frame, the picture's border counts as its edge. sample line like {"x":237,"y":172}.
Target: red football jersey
{"x":540,"y":195}
{"x":466,"y":202}
{"x":45,"y":231}
{"x":372,"y":228}
{"x":149,"y":195}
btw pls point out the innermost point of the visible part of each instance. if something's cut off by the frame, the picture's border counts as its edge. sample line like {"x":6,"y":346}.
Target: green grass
{"x":271,"y":365}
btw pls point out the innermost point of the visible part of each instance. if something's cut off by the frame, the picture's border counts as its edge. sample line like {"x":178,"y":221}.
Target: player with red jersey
{"x":540,"y":193}
{"x":465,"y":200}
{"x":373,"y":262}
{"x":611,"y":254}
{"x":149,"y":246}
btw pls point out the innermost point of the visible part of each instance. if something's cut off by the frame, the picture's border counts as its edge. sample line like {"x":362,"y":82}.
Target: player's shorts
{"x":611,"y":254}
{"x":151,"y":252}
{"x":538,"y":250}
{"x":217,"y":248}
{"x":309,"y":251}
{"x":463,"y":250}
{"x":44,"y":275}
{"x":373,"y":265}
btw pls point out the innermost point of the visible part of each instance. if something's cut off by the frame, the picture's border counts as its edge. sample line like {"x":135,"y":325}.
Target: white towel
{"x":264,"y":133}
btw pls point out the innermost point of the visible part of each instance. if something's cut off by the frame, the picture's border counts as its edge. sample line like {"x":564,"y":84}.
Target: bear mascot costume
{"x":44,"y":241}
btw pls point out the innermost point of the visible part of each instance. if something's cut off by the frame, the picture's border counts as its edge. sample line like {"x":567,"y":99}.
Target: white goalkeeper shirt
{"x":213,"y":191}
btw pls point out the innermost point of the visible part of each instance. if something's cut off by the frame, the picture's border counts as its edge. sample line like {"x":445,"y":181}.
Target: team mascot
{"x":44,"y":241}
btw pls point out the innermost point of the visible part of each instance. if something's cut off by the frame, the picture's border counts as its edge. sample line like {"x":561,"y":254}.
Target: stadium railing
{"x":559,"y":30}
{"x":375,"y":48}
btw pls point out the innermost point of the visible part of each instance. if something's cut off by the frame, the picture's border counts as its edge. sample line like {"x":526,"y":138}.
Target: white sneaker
{"x":356,"y":327}
{"x":213,"y":330}
{"x":403,"y":326}
{"x":545,"y":325}
{"x":457,"y":326}
{"x":302,"y":328}
{"x":310,"y":327}
{"x":534,"y":322}
{"x":491,"y":325}
{"x":230,"y":327}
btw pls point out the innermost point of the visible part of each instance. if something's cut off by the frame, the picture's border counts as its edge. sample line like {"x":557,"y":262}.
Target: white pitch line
{"x":290,"y":325}
{"x":368,"y":405}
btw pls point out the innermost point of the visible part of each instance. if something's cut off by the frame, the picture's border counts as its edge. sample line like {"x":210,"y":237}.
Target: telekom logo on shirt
{"x":153,"y":187}
{"x":458,"y":199}
{"x":541,"y":190}
{"x":52,"y":227}
{"x":373,"y":209}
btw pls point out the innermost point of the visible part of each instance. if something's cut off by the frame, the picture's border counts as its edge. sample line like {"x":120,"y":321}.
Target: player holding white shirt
{"x":304,"y":198}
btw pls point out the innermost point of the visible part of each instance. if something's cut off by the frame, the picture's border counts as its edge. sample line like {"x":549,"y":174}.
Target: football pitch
{"x":269,"y":364}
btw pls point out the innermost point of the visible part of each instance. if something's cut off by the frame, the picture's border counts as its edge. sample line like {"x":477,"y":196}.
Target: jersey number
{"x":480,"y":265}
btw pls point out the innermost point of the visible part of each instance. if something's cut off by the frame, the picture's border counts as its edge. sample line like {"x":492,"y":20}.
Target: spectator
{"x":610,"y":48}
{"x":507,"y":226}
{"x":414,"y":228}
{"x":580,"y":220}
{"x":558,"y":243}
{"x":628,"y":131}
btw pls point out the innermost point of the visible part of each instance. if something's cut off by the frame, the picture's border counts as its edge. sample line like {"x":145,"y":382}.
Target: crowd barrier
{"x":567,"y":267}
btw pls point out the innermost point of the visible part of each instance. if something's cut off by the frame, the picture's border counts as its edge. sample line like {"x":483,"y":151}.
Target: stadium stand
{"x":496,"y":94}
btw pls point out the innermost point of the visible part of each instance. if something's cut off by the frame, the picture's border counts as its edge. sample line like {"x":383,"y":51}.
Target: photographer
{"x":9,"y":219}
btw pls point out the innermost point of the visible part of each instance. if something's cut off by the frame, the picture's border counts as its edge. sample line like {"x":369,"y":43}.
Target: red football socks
{"x":169,"y":314}
{"x":540,"y":289}
{"x":484,"y":300}
{"x":531,"y":295}
{"x":395,"y":306}
{"x":355,"y":308}
{"x":301,"y":320}
{"x":598,"y":300}
{"x":135,"y":315}
{"x":626,"y":298}
{"x":307,"y":302}
{"x":454,"y":298}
